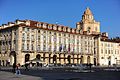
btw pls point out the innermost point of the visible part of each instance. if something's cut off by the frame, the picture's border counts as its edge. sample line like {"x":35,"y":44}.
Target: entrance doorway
{"x":38,"y":56}
{"x":27,"y":57}
{"x":109,"y":60}
{"x":69,"y":59}
{"x":95,"y":61}
{"x":54,"y":59}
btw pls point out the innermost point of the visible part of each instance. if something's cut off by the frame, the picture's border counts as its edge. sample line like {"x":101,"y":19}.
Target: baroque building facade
{"x":26,"y":40}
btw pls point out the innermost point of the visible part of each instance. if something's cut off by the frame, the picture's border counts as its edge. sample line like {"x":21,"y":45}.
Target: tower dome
{"x":87,"y":11}
{"x":87,"y":16}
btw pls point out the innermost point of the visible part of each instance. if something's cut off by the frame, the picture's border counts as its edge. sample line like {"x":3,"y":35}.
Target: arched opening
{"x":81,"y":60}
{"x":27,"y":57}
{"x":69,"y":59}
{"x":38,"y":56}
{"x":95,"y":61}
{"x":88,"y":60}
{"x":3,"y":63}
{"x":13,"y":57}
{"x":109,"y":60}
{"x":54,"y":59}
{"x":88,"y":29}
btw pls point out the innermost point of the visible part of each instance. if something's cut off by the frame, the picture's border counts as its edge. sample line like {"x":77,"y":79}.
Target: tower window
{"x":88,"y":29}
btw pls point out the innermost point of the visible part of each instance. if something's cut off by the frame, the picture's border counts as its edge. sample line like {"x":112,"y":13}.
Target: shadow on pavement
{"x":62,"y":74}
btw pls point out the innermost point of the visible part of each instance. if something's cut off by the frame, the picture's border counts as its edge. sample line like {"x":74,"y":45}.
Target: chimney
{"x":4,"y":25}
{"x":11,"y":24}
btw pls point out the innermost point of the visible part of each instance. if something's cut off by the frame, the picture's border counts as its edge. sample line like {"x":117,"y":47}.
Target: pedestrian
{"x":90,"y":65}
{"x":14,"y":66}
{"x":115,"y":67}
{"x":26,"y":66}
{"x":18,"y":72}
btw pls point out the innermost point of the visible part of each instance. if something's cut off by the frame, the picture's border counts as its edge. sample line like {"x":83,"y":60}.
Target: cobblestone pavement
{"x":59,"y":74}
{"x":11,"y":76}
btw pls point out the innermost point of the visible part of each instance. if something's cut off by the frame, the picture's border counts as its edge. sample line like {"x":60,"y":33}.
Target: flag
{"x":64,"y":48}
{"x":54,"y":39}
{"x":73,"y":50}
{"x":60,"y":48}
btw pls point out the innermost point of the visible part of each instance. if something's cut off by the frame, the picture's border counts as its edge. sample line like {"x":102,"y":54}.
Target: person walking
{"x":14,"y":67}
{"x":26,"y":66}
{"x":18,"y":72}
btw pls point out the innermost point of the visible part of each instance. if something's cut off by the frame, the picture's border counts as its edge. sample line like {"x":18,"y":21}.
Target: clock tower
{"x":88,"y":23}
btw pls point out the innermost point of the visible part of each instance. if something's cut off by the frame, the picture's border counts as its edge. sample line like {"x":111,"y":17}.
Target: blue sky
{"x":65,"y":12}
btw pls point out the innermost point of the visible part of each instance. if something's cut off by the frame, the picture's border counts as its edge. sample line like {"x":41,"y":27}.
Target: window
{"x":32,"y":30}
{"x":32,"y":47}
{"x":106,"y":45}
{"x":55,"y":33}
{"x":109,"y":51}
{"x":106,"y":51}
{"x":27,"y":46}
{"x":32,"y":37}
{"x":14,"y":42}
{"x":27,"y":36}
{"x":115,"y":51}
{"x":77,"y":41}
{"x":44,"y":38}
{"x":69,"y":35}
{"x":88,"y":29}
{"x":102,"y":57}
{"x":85,"y":42}
{"x":59,"y":34}
{"x":27,"y":29}
{"x":14,"y":33}
{"x":49,"y":48}
{"x":23,"y":34}
{"x":55,"y":48}
{"x":38,"y":31}
{"x":38,"y":48}
{"x":39,"y":37}
{"x":23,"y":28}
{"x":44,"y":47}
{"x":23,"y":46}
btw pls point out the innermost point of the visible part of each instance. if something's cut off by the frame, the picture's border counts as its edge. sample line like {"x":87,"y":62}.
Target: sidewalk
{"x":11,"y":76}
